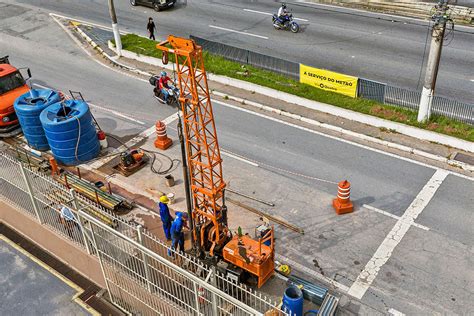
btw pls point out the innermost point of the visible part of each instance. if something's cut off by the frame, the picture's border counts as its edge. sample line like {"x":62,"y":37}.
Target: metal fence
{"x":410,"y":99}
{"x":143,"y":275}
{"x":245,"y":56}
{"x":368,"y":89}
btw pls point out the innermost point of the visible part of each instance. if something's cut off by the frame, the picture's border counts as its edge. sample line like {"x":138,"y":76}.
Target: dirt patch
{"x":388,"y":113}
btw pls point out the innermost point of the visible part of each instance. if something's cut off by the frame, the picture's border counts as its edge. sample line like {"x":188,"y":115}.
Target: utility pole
{"x":113,"y":16}
{"x":440,"y":18}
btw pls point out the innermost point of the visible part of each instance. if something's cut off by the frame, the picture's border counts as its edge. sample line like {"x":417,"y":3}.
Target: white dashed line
{"x":267,"y":13}
{"x":235,"y":31}
{"x":385,"y":250}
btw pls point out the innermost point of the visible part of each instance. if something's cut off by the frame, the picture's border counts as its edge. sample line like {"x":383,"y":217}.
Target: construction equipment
{"x":131,"y":161}
{"x":12,"y":85}
{"x":93,"y":192}
{"x":209,"y":213}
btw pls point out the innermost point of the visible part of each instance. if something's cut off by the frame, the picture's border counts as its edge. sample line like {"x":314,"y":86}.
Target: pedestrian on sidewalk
{"x":165,"y":215}
{"x":151,"y":28}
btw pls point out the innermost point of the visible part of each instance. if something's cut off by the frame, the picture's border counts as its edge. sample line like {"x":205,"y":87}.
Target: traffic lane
{"x":428,"y":273}
{"x":379,"y":180}
{"x":451,"y":212}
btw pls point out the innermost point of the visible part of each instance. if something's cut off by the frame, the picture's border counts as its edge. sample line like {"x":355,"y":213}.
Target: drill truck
{"x":12,"y":85}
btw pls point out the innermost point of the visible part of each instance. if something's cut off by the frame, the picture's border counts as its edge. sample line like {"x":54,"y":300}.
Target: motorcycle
{"x":287,"y":24}
{"x":173,"y":97}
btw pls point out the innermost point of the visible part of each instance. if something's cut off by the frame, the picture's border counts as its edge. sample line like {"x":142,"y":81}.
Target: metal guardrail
{"x":141,"y":277}
{"x":245,"y":56}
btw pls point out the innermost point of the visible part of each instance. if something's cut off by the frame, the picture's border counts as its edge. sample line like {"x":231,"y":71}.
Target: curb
{"x":362,"y":118}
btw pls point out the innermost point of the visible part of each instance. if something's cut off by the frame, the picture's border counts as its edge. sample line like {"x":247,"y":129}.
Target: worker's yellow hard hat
{"x":164,"y":199}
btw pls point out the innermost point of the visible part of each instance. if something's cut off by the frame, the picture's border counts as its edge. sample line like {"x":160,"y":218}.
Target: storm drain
{"x":469,"y":159}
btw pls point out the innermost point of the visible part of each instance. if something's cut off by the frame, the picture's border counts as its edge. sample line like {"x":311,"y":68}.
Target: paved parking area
{"x":26,"y":288}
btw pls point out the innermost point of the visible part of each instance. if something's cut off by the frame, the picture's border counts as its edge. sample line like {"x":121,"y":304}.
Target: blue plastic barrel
{"x":293,"y":301}
{"x":70,"y":131}
{"x":28,"y":108}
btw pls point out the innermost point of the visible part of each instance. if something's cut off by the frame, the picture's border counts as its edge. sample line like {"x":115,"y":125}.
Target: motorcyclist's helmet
{"x":283,"y":6}
{"x":163,"y":73}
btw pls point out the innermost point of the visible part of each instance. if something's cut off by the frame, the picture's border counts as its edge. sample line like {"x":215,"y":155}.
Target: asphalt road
{"x":287,"y":163}
{"x":367,"y":45}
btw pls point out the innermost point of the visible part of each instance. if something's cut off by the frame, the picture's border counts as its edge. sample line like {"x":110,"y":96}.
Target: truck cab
{"x":12,"y":85}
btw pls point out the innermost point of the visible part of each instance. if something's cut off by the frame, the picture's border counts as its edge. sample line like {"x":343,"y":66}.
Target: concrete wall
{"x":59,"y":247}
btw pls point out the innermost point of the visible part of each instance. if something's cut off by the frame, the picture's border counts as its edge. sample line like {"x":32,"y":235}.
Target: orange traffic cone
{"x":162,"y":140}
{"x":342,"y":203}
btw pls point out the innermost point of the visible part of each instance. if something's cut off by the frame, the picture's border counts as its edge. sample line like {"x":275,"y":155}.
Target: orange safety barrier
{"x":342,"y":203}
{"x":162,"y":140}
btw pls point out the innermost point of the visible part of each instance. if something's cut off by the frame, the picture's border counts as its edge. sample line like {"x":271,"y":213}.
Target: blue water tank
{"x":293,"y":301}
{"x":70,"y":132}
{"x":28,"y":108}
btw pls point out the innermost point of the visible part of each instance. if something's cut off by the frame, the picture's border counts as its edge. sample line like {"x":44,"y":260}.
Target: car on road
{"x":158,"y":5}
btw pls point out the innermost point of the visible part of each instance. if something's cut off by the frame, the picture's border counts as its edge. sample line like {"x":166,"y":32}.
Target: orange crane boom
{"x":209,"y":213}
{"x":202,"y":148}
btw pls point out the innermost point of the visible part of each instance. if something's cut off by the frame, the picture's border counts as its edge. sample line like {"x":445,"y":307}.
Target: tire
{"x":294,"y":27}
{"x":133,"y":3}
{"x":156,"y":7}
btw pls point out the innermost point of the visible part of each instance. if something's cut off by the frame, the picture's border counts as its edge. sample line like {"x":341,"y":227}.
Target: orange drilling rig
{"x":211,"y":234}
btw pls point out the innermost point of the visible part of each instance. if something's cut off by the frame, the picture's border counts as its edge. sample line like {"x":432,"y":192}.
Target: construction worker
{"x":165,"y":215}
{"x":177,"y":235}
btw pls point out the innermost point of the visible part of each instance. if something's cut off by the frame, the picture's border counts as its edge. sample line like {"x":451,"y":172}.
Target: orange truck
{"x":12,"y":85}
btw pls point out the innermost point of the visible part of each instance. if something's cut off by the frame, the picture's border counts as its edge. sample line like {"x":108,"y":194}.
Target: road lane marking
{"x":267,"y":13}
{"x":472,"y":80}
{"x":87,"y":22}
{"x":116,"y":113}
{"x":385,"y":250}
{"x":103,"y":109}
{"x":394,"y":312}
{"x":235,"y":31}
{"x":369,"y":207}
{"x":225,"y":153}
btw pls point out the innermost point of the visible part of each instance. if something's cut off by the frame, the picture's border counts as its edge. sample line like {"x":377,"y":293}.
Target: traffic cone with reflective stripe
{"x":342,"y":203}
{"x":162,"y":140}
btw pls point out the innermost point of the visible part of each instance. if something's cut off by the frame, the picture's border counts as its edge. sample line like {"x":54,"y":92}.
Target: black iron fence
{"x":367,"y":89}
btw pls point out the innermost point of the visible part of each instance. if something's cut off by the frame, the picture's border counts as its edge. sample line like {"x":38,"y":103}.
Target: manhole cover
{"x":464,"y":158}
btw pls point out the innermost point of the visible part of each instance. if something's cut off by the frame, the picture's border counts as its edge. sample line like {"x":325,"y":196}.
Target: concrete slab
{"x":28,"y":289}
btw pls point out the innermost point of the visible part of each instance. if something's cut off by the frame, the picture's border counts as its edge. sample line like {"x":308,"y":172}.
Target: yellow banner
{"x":329,"y":80}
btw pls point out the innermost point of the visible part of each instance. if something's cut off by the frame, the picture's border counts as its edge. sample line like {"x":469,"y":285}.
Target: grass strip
{"x":220,"y":66}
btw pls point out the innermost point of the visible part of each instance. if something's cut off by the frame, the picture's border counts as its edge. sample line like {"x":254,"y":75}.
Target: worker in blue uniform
{"x":177,"y":235}
{"x":166,"y":218}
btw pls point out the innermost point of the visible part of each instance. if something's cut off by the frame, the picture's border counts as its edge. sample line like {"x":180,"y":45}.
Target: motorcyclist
{"x":283,"y":14}
{"x":163,"y":85}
